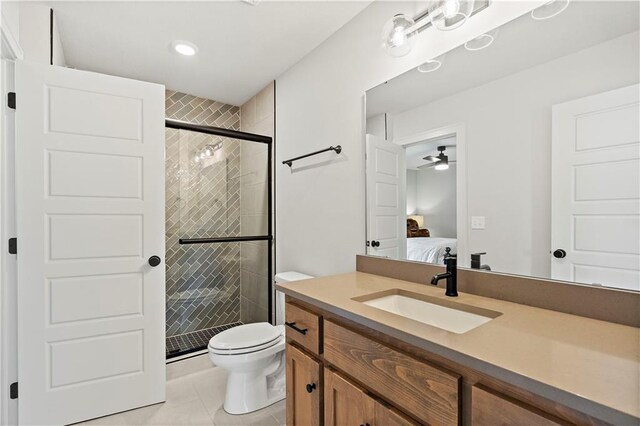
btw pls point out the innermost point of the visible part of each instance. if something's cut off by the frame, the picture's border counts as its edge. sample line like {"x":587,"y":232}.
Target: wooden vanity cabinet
{"x":387,"y":416}
{"x":347,"y":404}
{"x":304,"y":388}
{"x":489,"y":408}
{"x":417,"y":387}
{"x":303,"y":327}
{"x":343,"y":374}
{"x":344,"y":403}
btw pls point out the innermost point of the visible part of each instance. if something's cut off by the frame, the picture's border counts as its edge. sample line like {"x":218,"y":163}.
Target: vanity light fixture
{"x":397,"y":35}
{"x":550,"y":9}
{"x":184,"y":47}
{"x":445,"y":15}
{"x":448,"y":15}
{"x":207,"y":152}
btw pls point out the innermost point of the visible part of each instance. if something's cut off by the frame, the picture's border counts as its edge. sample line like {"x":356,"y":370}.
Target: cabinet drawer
{"x":490,"y":408}
{"x":429,"y":393}
{"x":303,"y":327}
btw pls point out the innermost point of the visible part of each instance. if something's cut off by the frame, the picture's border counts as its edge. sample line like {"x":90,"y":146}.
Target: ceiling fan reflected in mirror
{"x":440,"y":161}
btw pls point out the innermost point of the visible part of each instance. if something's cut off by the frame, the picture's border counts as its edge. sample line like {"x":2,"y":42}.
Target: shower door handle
{"x":154,"y":261}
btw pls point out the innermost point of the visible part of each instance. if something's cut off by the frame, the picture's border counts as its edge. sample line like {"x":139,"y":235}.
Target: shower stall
{"x":219,"y":235}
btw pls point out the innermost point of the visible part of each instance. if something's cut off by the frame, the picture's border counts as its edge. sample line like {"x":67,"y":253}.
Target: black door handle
{"x":311,"y":387}
{"x":559,"y":254}
{"x":293,"y":325}
{"x":154,"y":261}
{"x":375,"y":243}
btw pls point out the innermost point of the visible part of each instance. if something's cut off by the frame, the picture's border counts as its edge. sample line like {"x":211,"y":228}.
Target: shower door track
{"x":250,"y":137}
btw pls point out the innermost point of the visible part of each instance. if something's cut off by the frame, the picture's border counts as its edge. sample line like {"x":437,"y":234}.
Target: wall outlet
{"x":477,"y":222}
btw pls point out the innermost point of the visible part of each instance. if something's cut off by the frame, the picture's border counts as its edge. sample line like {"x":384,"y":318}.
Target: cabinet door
{"x":344,"y":403}
{"x":491,"y":409}
{"x":303,"y":388}
{"x":385,"y":416}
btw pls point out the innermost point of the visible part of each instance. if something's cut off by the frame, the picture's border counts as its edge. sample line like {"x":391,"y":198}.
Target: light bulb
{"x":184,"y":47}
{"x":208,"y":152}
{"x":451,"y":8}
{"x":447,"y":15}
{"x":197,"y":159}
{"x":396,"y":37}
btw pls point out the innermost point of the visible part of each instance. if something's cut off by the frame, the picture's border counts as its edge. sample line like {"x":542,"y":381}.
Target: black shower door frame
{"x":250,"y":137}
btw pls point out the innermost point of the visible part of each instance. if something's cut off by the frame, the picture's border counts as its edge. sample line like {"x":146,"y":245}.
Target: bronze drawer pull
{"x":293,"y":325}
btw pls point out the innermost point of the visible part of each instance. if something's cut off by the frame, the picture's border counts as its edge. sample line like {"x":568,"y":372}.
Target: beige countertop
{"x":589,"y":365}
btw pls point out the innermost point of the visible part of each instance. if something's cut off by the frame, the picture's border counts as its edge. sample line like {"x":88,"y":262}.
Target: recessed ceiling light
{"x":184,"y":47}
{"x":481,"y":42}
{"x":430,"y":66}
{"x":252,"y":2}
{"x":550,"y":9}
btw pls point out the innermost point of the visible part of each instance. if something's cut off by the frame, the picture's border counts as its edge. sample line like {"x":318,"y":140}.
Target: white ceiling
{"x":519,"y":44}
{"x":242,"y":47}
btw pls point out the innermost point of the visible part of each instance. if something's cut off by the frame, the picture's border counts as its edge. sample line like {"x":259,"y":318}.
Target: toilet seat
{"x":245,"y":339}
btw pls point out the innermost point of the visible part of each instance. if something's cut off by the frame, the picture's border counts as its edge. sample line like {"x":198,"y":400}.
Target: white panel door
{"x":386,"y":198}
{"x":90,"y":207}
{"x":596,"y":189}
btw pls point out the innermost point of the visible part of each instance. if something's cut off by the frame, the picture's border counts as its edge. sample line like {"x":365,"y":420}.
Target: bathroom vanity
{"x":359,"y":353}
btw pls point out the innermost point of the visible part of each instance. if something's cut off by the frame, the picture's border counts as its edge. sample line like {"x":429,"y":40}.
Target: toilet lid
{"x":246,"y":336}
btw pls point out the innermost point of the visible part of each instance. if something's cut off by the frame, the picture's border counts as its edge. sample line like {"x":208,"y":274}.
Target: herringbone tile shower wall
{"x":202,"y":200}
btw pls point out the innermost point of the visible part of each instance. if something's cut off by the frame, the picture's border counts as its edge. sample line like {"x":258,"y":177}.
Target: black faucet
{"x":476,"y":262}
{"x":451,"y":275}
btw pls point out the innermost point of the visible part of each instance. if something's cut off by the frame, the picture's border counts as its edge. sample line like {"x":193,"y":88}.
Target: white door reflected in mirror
{"x":595,"y":187}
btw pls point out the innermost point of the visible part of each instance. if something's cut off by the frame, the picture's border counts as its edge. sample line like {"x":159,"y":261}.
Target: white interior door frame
{"x":462,"y":214}
{"x":10,"y":51}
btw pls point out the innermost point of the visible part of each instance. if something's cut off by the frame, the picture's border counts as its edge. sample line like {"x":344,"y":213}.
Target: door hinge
{"x":13,"y":390}
{"x":11,"y":100}
{"x":13,"y":245}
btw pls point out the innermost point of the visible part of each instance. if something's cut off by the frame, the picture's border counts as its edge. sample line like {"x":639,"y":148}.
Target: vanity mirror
{"x":523,"y":144}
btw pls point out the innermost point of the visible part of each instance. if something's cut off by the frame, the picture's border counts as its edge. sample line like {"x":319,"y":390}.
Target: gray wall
{"x":435,"y":199}
{"x":257,"y":117}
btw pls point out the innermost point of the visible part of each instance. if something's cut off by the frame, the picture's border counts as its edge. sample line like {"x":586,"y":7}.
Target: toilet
{"x":253,"y":355}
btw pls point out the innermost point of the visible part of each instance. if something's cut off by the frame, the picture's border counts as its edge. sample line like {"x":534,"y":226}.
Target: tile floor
{"x":195,"y":394}
{"x":183,"y":343}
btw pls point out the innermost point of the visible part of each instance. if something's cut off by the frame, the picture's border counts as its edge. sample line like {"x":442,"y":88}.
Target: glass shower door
{"x":218,"y":233}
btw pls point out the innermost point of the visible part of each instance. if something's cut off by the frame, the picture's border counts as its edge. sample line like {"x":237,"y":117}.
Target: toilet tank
{"x":285,"y":277}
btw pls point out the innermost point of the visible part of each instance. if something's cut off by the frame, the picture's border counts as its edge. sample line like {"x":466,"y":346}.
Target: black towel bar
{"x":337,"y":149}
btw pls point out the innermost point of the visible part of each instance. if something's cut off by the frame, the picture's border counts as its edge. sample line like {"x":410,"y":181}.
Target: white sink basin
{"x":456,"y":318}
